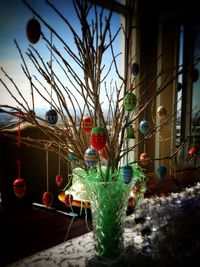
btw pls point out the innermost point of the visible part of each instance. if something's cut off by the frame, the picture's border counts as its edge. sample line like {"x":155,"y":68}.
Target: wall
{"x":33,"y":169}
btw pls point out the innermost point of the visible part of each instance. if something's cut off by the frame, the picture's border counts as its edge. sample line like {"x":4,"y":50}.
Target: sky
{"x":14,"y":15}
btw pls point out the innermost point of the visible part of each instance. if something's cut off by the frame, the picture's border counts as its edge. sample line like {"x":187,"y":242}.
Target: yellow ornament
{"x":161,"y":111}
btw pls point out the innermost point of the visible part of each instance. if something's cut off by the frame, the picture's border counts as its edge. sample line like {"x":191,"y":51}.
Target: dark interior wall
{"x":148,"y":27}
{"x":158,"y":29}
{"x":33,"y":170}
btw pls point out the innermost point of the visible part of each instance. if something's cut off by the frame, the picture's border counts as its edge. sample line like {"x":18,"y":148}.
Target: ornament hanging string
{"x":33,"y":4}
{"x":59,"y":155}
{"x":145,"y":101}
{"x":127,"y":142}
{"x":19,"y":135}
{"x":18,"y":144}
{"x":51,"y":66}
{"x":47,"y":167}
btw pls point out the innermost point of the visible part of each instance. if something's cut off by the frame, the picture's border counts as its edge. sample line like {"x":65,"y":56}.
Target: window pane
{"x":195,"y":120}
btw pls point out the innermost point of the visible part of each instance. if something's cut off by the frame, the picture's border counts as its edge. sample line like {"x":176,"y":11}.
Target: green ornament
{"x":98,"y":130}
{"x":130,"y":132}
{"x":130,"y":101}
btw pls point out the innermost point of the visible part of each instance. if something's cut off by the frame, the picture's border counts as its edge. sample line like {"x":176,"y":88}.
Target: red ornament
{"x":59,"y":179}
{"x":86,"y":124}
{"x":33,"y":30}
{"x":194,"y":75}
{"x":68,"y":200}
{"x":19,"y":187}
{"x":47,"y":199}
{"x":98,"y":138}
{"x":131,"y":201}
{"x":144,"y":158}
{"x":192,"y":151}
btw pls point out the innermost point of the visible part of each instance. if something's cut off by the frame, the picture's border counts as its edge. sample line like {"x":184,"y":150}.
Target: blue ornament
{"x":74,"y":161}
{"x":90,"y":157}
{"x":135,"y":69}
{"x":73,"y":158}
{"x":144,"y":126}
{"x":51,"y":117}
{"x":126,"y":173}
{"x":161,"y":172}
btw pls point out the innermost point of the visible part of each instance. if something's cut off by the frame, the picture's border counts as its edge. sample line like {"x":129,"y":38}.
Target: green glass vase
{"x":108,"y":202}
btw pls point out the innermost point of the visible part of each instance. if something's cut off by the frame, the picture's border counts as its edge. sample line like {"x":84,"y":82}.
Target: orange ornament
{"x":144,"y":158}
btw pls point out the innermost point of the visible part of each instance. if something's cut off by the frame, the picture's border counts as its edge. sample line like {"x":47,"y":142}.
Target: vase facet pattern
{"x":108,"y":201}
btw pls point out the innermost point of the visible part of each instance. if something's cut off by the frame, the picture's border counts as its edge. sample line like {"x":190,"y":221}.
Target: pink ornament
{"x":47,"y":199}
{"x":19,"y":187}
{"x":59,"y":179}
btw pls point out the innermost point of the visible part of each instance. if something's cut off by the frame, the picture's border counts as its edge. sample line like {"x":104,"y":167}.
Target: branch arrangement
{"x":86,"y":85}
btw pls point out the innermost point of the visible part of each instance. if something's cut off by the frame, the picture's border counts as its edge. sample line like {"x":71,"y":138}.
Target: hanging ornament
{"x":192,"y":151}
{"x":130,"y":101}
{"x":59,"y":180}
{"x":179,"y":86}
{"x":19,"y":187}
{"x":87,"y":125}
{"x":126,"y":173}
{"x":131,"y":201}
{"x":130,"y":132}
{"x":135,"y":69}
{"x":47,"y":199}
{"x":72,"y":158}
{"x":68,"y":200}
{"x":144,"y":158}
{"x":98,"y":138}
{"x":51,"y":117}
{"x":194,"y":75}
{"x":144,"y":126}
{"x":90,"y":157}
{"x":33,"y":30}
{"x":161,"y":111}
{"x":161,"y":172}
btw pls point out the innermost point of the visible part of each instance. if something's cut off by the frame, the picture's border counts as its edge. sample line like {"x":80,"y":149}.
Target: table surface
{"x":162,"y":229}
